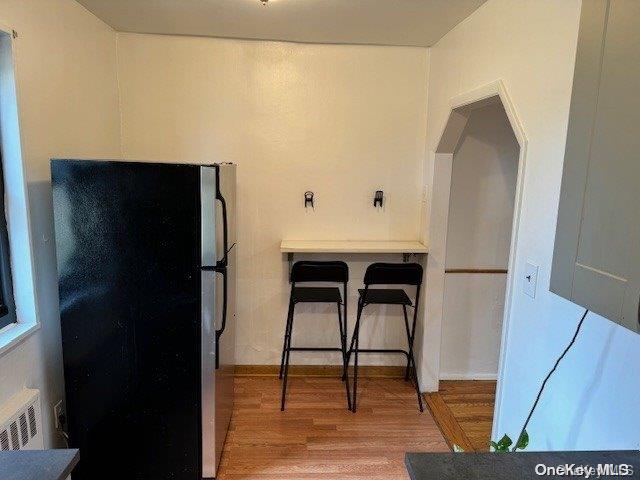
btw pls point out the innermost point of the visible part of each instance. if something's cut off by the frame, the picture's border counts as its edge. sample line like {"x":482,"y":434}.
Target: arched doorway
{"x":463,"y":109}
{"x":481,"y":202}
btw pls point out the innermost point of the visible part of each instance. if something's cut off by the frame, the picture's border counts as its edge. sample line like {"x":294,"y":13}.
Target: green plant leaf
{"x":503,"y":444}
{"x":523,"y":441}
{"x":505,"y":441}
{"x":457,"y":448}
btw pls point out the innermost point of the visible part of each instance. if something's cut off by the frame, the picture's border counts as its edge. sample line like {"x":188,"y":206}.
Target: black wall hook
{"x":378,"y":198}
{"x":308,"y":199}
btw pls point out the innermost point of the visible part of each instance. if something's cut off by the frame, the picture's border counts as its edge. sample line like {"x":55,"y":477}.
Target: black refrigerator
{"x":146,"y":256}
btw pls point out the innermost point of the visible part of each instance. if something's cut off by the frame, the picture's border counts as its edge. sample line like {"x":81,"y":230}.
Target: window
{"x":18,"y":304}
{"x":7,"y":307}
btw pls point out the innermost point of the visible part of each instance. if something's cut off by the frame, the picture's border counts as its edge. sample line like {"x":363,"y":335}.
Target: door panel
{"x":584,"y":95}
{"x":208,"y":282}
{"x":226,"y":355}
{"x":598,"y":291}
{"x":596,"y":262}
{"x":609,"y":236}
{"x":130,"y":316}
{"x":209,"y":296}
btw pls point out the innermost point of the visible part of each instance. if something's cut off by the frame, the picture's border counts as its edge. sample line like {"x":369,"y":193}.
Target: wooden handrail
{"x":477,"y":270}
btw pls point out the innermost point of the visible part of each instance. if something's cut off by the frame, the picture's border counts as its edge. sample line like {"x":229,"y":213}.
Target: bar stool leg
{"x":406,"y":327}
{"x":286,"y":335}
{"x":411,"y":362}
{"x":343,"y":342}
{"x":286,"y":360}
{"x":353,"y":338}
{"x":356,"y":335}
{"x":343,"y":346}
{"x":345,"y":373}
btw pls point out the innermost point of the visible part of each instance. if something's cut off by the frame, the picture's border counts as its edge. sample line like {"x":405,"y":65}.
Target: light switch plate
{"x":530,"y":280}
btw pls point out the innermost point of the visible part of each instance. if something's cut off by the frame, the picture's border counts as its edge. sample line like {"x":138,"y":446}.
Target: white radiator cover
{"x":21,"y":422}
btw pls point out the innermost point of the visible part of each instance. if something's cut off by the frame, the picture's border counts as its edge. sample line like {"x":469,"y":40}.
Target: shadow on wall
{"x":49,"y":337}
{"x":587,"y":397}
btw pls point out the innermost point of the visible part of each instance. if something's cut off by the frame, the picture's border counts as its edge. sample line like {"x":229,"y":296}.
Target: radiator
{"x":21,"y":422}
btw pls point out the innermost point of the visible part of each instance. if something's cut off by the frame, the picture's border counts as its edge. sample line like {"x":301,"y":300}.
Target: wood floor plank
{"x":308,"y":371}
{"x":463,"y":409}
{"x":316,"y":437}
{"x":451,"y":429}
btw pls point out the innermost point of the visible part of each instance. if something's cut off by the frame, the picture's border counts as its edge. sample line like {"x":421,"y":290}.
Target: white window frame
{"x":16,"y":200}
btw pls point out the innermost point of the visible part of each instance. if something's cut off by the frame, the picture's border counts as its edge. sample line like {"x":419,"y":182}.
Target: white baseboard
{"x":468,"y":376}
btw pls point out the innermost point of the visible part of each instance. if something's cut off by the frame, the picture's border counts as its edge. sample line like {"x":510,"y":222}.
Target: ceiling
{"x":377,"y":22}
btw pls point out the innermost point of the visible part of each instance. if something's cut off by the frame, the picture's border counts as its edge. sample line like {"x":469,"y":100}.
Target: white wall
{"x":68,"y":107}
{"x":342,"y":121}
{"x":481,"y":202}
{"x":592,"y":401}
{"x":482,"y":196}
{"x":471,"y":326}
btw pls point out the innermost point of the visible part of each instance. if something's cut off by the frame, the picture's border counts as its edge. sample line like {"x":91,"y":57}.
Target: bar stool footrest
{"x":379,"y":350}
{"x":315,"y":349}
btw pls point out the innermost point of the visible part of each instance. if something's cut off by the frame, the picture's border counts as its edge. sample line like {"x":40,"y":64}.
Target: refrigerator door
{"x":218,"y":310}
{"x":225,"y":301}
{"x":209,"y":294}
{"x":128,"y":247}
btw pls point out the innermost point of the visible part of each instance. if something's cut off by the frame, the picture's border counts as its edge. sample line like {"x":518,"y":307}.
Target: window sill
{"x":12,"y":335}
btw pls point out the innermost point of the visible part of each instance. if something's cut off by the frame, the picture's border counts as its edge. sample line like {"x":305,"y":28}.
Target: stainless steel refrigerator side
{"x":226,"y":348}
{"x":209,"y":279}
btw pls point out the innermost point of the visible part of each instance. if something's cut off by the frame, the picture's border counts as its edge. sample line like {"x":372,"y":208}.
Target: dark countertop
{"x":38,"y":464}
{"x":509,"y":466}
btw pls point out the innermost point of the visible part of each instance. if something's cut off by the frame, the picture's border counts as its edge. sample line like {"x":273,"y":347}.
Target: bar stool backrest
{"x":393,"y":274}
{"x":309,"y":271}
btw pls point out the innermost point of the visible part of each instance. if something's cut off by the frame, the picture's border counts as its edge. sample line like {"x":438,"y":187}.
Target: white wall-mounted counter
{"x":406,"y":248}
{"x":353,"y":246}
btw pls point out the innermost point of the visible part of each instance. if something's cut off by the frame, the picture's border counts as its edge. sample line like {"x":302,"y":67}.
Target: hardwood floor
{"x":387,"y":371}
{"x":464,"y":412}
{"x":316,"y":437}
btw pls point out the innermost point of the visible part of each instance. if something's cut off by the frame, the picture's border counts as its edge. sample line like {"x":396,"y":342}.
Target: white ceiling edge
{"x":415,"y":23}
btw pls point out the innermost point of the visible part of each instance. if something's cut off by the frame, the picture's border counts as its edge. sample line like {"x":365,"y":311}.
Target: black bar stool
{"x":389,"y":274}
{"x":303,"y":272}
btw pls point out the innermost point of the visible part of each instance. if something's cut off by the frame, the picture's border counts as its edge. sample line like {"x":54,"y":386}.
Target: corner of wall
{"x":119,"y":92}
